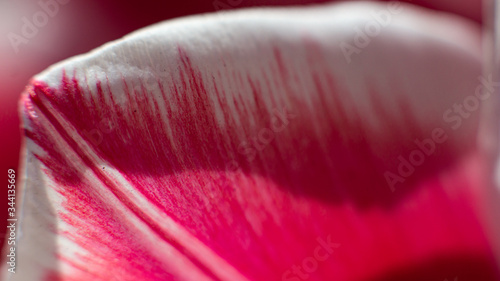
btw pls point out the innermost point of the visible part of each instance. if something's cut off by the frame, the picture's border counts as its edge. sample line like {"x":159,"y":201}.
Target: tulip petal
{"x":269,"y":144}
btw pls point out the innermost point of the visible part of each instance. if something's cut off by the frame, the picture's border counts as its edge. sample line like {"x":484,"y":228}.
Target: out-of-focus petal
{"x":253,"y":146}
{"x":33,"y":35}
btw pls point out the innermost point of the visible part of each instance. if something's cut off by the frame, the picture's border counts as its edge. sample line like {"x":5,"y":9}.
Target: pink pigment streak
{"x":267,"y":216}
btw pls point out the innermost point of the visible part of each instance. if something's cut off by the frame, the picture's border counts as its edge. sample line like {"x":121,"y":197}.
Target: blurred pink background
{"x":77,"y":26}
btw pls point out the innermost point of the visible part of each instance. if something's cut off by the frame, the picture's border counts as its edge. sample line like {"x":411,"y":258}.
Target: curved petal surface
{"x":336,"y":141}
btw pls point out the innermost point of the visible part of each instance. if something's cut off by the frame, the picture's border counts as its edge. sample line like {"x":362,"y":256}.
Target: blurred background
{"x":37,"y":33}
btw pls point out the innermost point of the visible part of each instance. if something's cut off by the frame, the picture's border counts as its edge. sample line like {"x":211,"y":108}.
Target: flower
{"x":329,"y":142}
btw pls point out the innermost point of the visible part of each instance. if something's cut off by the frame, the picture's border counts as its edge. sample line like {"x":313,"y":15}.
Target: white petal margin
{"x":393,"y":61}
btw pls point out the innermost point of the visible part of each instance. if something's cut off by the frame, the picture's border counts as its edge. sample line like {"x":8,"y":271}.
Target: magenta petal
{"x":248,"y":146}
